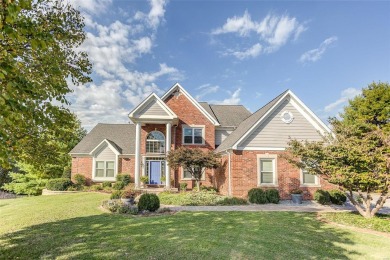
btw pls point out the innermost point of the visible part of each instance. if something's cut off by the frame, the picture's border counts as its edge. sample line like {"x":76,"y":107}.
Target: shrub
{"x":80,"y":180}
{"x":322,"y":197}
{"x":28,"y":184}
{"x":119,"y":185}
{"x":183,"y":186}
{"x":116,"y":206}
{"x":117,"y":194}
{"x":106,"y":184}
{"x":337,"y":197}
{"x":272,"y":196}
{"x":148,"y":201}
{"x":125,"y":178}
{"x":72,"y":188}
{"x":96,"y":188}
{"x":127,"y":209}
{"x":296,"y":191}
{"x":257,"y":195}
{"x":208,"y":188}
{"x":59,"y":184}
{"x":232,"y":201}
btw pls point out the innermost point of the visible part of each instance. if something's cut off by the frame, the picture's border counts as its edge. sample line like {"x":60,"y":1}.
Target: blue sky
{"x":230,"y":52}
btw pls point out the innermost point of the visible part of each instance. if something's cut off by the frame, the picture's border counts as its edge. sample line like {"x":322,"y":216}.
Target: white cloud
{"x":114,"y":50}
{"x":272,"y":32}
{"x":346,"y":95}
{"x":233,"y":99}
{"x":155,"y":15}
{"x":316,"y":54}
{"x":91,"y":6}
{"x":252,"y":52}
{"x":206,"y":89}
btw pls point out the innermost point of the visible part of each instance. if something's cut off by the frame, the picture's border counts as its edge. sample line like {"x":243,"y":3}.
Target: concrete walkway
{"x":285,"y":205}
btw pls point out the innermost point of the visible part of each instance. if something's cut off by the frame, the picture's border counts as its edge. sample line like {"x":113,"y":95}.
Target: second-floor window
{"x":155,"y":142}
{"x":193,"y":135}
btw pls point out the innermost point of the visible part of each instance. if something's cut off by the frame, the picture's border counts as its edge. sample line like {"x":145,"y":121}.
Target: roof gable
{"x":105,"y":143}
{"x":120,"y":136}
{"x":256,"y":119}
{"x":177,"y":88}
{"x":152,"y":107}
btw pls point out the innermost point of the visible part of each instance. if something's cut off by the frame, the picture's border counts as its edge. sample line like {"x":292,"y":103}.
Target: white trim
{"x":274,"y":158}
{"x":137,"y":158}
{"x":241,"y":148}
{"x":203,"y":127}
{"x":282,"y":99}
{"x":192,"y":100}
{"x":99,"y":179}
{"x":112,"y":148}
{"x":315,"y":184}
{"x":192,"y":179}
{"x":308,"y":118}
{"x":150,"y":98}
{"x":168,"y":142}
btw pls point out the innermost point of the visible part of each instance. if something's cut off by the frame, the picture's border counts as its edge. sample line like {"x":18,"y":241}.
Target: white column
{"x":137,"y":154}
{"x":167,"y":149}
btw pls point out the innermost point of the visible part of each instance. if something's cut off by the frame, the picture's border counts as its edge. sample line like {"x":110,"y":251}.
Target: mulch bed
{"x":6,"y":195}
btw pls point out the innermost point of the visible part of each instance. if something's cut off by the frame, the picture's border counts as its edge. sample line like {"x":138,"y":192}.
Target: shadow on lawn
{"x":186,"y":235}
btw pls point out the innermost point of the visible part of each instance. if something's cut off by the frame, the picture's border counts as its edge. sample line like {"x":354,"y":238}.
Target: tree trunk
{"x":198,"y":185}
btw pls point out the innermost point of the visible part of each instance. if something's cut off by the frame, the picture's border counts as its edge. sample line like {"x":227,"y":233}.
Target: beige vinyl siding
{"x":105,"y":154}
{"x":220,"y":136}
{"x":152,"y":109}
{"x":274,"y":133}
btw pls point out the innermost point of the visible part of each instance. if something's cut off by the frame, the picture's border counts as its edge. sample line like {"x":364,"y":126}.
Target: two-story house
{"x":250,"y":145}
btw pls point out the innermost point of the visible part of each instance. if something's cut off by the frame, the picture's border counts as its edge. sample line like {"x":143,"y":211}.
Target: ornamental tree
{"x":194,"y":160}
{"x":38,"y":56}
{"x":356,"y":156}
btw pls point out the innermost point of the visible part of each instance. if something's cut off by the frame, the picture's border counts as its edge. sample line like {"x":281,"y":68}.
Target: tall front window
{"x":267,"y":171}
{"x":193,"y":135}
{"x":105,"y":169}
{"x":155,"y":142}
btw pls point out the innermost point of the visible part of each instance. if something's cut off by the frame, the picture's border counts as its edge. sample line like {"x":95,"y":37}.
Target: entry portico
{"x":153,"y":111}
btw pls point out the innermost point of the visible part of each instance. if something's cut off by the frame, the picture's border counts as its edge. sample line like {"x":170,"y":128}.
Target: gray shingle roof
{"x":121,"y":136}
{"x":246,"y":125}
{"x":227,"y":115}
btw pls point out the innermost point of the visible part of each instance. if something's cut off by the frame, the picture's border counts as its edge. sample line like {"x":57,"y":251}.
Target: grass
{"x":203,"y":198}
{"x":378,"y":223}
{"x":72,"y":227}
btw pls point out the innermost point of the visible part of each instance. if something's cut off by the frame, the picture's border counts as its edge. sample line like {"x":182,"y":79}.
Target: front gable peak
{"x":177,"y":89}
{"x":152,"y":108}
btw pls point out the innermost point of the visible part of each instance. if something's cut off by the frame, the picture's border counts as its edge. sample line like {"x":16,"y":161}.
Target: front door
{"x":154,"y":172}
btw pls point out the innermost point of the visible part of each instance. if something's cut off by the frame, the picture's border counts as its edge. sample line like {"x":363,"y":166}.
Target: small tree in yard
{"x":357,"y":156}
{"x":194,"y":161}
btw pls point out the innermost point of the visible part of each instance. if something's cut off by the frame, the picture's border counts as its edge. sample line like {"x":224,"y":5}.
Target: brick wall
{"x":245,"y":177}
{"x":82,"y":165}
{"x":126,"y":166}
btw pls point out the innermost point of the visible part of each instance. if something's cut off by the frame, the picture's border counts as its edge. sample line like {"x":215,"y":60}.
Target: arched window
{"x":155,"y":142}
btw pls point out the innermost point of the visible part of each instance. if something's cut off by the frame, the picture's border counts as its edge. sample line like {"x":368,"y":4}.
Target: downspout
{"x":229,"y":173}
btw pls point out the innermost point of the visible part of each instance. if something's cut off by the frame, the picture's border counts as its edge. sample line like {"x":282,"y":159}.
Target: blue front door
{"x":154,"y":172}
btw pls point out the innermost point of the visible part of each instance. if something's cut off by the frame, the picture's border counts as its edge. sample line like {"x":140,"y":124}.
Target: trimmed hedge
{"x":148,"y":201}
{"x":272,"y":196}
{"x":322,"y":197}
{"x":258,"y":196}
{"x":59,"y":184}
{"x":337,"y":197}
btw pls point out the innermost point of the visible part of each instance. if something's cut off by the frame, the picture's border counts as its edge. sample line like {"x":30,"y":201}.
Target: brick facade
{"x":244,"y":175}
{"x":126,"y":166}
{"x":82,"y":165}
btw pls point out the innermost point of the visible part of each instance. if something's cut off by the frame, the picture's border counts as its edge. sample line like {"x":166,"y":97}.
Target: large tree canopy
{"x":194,"y":160}
{"x":357,"y":155}
{"x":38,"y":54}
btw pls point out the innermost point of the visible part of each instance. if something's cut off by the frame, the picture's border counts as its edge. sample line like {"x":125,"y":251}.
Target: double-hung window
{"x":309,"y":179}
{"x":188,"y":176}
{"x":193,"y":135}
{"x":267,"y":170}
{"x":105,"y":169}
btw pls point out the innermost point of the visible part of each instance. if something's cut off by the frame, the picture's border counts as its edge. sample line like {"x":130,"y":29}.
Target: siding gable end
{"x":152,"y":109}
{"x":274,"y":133}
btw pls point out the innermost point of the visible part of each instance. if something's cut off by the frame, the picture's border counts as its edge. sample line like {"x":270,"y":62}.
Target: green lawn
{"x":72,"y":227}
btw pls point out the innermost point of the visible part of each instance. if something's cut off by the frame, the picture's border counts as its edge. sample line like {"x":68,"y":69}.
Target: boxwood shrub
{"x":322,"y":197}
{"x":257,"y":195}
{"x":59,"y":184}
{"x":125,"y":178}
{"x":272,"y":196}
{"x":148,"y":201}
{"x":337,"y":197}
{"x":106,"y":184}
{"x":80,"y":180}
